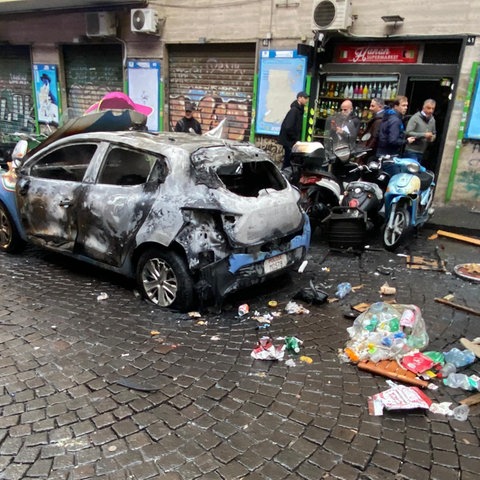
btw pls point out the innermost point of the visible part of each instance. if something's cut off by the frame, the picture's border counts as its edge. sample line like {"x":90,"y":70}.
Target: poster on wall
{"x":144,"y":88}
{"x":473,"y":127}
{"x":281,"y":76}
{"x":45,"y":80}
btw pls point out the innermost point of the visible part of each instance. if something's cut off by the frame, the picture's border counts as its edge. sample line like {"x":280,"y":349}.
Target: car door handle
{"x":65,"y":203}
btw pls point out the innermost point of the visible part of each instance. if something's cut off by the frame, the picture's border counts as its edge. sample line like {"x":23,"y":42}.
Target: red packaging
{"x":417,"y":362}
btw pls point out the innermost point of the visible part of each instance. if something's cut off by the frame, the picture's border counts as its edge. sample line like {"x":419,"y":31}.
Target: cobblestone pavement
{"x":195,"y":404}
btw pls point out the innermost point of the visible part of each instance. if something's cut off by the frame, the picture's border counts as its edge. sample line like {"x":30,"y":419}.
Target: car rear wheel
{"x":10,"y":240}
{"x":164,"y":280}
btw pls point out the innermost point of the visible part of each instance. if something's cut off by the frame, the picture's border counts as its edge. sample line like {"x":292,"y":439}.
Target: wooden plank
{"x":456,"y":236}
{"x":457,"y":306}
{"x":471,"y":400}
{"x":391,"y":369}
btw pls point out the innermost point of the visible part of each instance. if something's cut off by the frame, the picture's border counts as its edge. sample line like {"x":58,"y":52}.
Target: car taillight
{"x":308,"y":180}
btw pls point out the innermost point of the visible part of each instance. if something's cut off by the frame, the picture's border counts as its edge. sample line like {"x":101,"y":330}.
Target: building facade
{"x":59,"y":58}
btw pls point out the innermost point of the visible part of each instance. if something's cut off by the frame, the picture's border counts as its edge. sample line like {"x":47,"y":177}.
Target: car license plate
{"x":275,"y":263}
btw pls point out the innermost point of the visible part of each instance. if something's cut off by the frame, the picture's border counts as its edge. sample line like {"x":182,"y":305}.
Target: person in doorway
{"x":391,"y":136}
{"x":376,"y":108}
{"x":422,"y":127}
{"x":291,"y":128}
{"x":187,"y":123}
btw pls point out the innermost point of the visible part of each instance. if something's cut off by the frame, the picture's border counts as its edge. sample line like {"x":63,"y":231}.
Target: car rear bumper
{"x":241,"y":270}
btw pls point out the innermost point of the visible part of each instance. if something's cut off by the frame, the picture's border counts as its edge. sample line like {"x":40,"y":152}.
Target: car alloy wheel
{"x":164,"y":279}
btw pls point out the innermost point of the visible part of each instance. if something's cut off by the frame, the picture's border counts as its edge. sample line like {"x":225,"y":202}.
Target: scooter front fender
{"x":391,"y":205}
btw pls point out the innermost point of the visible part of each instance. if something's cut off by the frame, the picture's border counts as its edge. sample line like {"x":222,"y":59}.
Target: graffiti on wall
{"x":211,"y":109}
{"x":470,"y":178}
{"x":271,"y":146}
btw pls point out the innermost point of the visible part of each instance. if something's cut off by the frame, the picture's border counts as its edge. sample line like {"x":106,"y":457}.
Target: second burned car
{"x":191,"y":218}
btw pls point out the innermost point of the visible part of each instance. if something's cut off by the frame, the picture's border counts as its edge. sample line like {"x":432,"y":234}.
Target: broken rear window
{"x":243,"y":169}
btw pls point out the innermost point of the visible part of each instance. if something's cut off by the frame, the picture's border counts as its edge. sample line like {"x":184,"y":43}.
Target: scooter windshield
{"x":340,"y":136}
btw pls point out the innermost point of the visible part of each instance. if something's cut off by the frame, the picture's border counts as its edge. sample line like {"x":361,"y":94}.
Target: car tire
{"x":164,"y":280}
{"x":10,"y":240}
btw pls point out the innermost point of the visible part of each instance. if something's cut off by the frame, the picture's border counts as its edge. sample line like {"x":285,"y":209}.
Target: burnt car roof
{"x":156,"y":142}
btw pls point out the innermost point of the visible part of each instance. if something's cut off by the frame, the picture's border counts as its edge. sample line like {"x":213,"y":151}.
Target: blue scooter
{"x":408,"y":198}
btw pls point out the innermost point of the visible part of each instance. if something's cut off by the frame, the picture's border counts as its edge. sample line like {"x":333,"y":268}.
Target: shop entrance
{"x":440,"y":89}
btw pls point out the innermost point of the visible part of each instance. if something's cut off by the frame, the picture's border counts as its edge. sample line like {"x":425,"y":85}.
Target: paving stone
{"x":218,"y":413}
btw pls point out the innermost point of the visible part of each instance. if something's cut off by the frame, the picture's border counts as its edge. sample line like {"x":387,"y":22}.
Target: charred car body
{"x":191,"y":218}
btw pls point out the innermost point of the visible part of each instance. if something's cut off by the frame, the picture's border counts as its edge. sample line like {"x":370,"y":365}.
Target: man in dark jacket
{"x":291,"y":128}
{"x":373,"y":125}
{"x":391,"y":137}
{"x":187,"y":123}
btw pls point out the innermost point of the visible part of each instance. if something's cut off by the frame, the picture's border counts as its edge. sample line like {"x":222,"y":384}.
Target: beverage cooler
{"x":360,"y":89}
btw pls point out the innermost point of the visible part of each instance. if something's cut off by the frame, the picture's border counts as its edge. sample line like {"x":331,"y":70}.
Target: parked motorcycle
{"x":408,"y":199}
{"x":321,"y":170}
{"x":320,"y":190}
{"x":360,"y":211}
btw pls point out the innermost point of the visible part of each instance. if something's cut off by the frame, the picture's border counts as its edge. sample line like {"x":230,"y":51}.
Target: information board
{"x":45,"y":80}
{"x":144,"y":88}
{"x":473,"y":127}
{"x":282,"y":75}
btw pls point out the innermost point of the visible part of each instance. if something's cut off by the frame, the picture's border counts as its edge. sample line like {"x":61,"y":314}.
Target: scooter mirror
{"x":366,"y":137}
{"x":342,"y":152}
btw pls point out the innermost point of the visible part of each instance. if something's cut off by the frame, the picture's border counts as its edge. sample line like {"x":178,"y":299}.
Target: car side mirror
{"x":19,"y":152}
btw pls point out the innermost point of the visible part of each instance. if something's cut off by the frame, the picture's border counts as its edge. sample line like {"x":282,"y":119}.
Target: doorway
{"x":439,"y":89}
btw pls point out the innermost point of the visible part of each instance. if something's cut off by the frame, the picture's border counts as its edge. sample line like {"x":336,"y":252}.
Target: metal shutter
{"x":91,"y":71}
{"x":218,"y":80}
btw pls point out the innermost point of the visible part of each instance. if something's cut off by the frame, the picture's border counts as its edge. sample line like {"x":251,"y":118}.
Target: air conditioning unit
{"x":101,"y":24}
{"x":144,"y":20}
{"x":331,"y":14}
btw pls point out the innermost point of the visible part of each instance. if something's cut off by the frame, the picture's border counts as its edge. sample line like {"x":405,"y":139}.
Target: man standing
{"x":373,"y":126}
{"x":350,"y":121}
{"x":291,"y":128}
{"x":187,"y":123}
{"x":391,"y":137}
{"x":421,"y":126}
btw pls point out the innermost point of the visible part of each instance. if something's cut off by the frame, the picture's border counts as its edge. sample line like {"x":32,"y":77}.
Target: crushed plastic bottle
{"x":459,"y":358}
{"x":343,"y":289}
{"x":461,"y":412}
{"x":447,"y":369}
{"x":292,"y":344}
{"x":460,"y":380}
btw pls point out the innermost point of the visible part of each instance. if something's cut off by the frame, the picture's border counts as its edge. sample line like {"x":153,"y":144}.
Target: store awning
{"x":36,"y":6}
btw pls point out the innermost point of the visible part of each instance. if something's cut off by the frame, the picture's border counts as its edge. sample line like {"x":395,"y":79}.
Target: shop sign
{"x":376,"y":54}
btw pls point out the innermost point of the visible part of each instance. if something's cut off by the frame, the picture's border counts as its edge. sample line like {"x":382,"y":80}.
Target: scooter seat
{"x":426,"y":179}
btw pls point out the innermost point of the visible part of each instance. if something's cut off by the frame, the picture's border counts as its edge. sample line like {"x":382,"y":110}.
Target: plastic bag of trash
{"x":387,"y":331}
{"x":312,"y":295}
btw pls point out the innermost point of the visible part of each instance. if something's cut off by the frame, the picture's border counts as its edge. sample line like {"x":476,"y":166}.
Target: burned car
{"x":191,"y":218}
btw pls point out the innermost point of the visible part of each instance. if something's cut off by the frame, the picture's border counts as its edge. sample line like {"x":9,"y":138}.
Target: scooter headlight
{"x":413,"y":167}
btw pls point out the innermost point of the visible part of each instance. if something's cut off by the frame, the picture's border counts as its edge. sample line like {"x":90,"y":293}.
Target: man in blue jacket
{"x":391,"y":137}
{"x":291,"y":128}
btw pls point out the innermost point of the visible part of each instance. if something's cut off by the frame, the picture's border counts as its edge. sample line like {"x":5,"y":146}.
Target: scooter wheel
{"x":394,"y":235}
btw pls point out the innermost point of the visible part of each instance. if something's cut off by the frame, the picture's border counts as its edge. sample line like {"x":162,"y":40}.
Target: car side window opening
{"x":67,"y":163}
{"x":130,"y":167}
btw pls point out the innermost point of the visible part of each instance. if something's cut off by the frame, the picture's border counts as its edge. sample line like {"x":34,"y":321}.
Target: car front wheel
{"x":10,"y":240}
{"x":164,"y":280}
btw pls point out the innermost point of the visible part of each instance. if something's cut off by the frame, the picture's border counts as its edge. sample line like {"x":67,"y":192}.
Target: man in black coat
{"x":187,"y":123}
{"x":291,"y":128}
